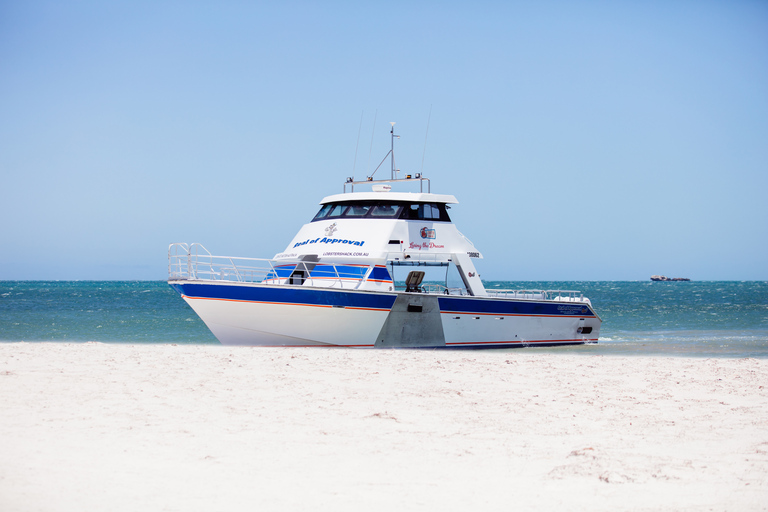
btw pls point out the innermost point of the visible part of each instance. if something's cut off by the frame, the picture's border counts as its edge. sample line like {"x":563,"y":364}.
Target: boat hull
{"x":254,"y":314}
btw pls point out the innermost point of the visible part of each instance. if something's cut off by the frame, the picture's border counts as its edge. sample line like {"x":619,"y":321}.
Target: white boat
{"x":336,"y":283}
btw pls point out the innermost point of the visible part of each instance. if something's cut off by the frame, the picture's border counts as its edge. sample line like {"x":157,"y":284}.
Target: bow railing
{"x":193,"y":262}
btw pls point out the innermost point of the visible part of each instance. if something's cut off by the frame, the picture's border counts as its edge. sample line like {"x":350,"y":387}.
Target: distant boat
{"x":665,"y":278}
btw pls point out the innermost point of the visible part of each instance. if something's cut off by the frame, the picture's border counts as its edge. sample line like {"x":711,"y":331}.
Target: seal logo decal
{"x":330,"y":230}
{"x":427,"y":233}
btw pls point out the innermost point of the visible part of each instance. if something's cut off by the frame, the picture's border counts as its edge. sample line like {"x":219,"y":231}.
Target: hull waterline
{"x":275,"y":315}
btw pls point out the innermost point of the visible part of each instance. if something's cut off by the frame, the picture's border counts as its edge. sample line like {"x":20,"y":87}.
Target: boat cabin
{"x":361,"y":239}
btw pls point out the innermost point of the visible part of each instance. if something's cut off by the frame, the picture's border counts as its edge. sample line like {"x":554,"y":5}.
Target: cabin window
{"x":358,"y":210}
{"x":384,"y":210}
{"x":337,"y":210}
{"x":430,"y":211}
{"x":323,"y":212}
{"x":425,"y":211}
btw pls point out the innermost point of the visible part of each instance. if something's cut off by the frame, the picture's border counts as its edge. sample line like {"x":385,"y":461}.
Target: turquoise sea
{"x":697,"y":319}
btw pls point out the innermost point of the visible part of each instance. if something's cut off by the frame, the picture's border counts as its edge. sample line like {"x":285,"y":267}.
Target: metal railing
{"x":193,"y":261}
{"x":558,"y":295}
{"x":417,"y":178}
{"x":435,"y":289}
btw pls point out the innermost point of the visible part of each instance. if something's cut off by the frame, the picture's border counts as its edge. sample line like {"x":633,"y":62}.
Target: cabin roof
{"x":414,"y":197}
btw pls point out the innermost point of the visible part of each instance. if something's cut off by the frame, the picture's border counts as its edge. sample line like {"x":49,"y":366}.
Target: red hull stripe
{"x":321,"y":346}
{"x":384,"y":309}
{"x":516,"y":342}
{"x":465,"y":313}
{"x":284,"y":304}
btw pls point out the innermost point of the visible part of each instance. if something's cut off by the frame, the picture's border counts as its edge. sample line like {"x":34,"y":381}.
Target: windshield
{"x":384,"y":210}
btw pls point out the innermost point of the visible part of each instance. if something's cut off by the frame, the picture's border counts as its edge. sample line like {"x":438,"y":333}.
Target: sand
{"x":164,"y":427}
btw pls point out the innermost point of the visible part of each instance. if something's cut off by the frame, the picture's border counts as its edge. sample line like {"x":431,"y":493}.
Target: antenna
{"x":425,"y":139}
{"x":392,"y":151}
{"x":368,"y":166}
{"x":356,"y":145}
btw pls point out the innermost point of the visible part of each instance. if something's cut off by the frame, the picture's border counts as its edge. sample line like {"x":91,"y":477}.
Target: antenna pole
{"x":370,"y":150}
{"x":392,"y":150}
{"x":354,"y":165}
{"x":425,"y":139}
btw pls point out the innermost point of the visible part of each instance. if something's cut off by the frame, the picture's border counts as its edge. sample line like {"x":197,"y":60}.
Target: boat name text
{"x":426,"y":245}
{"x":326,"y":240}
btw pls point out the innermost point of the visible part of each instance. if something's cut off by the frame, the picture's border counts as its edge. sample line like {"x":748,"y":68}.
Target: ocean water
{"x":697,"y":319}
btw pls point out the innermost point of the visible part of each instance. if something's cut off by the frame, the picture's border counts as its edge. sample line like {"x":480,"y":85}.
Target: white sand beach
{"x":203,"y":428}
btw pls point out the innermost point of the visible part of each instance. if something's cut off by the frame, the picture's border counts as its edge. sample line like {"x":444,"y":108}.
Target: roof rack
{"x":391,"y":154}
{"x":408,"y":179}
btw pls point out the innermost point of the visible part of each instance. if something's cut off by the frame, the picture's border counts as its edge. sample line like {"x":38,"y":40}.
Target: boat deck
{"x":193,"y":262}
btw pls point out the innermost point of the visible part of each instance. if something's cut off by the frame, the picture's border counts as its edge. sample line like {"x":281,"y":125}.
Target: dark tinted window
{"x":358,"y":210}
{"x":337,"y":210}
{"x":323,"y":212}
{"x":425,"y":211}
{"x":384,"y":210}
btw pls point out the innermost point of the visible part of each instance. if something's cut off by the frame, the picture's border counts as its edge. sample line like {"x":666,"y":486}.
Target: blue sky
{"x":584,"y":140}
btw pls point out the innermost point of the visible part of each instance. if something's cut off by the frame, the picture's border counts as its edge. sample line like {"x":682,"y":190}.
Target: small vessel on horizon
{"x":665,"y":278}
{"x":342,"y":281}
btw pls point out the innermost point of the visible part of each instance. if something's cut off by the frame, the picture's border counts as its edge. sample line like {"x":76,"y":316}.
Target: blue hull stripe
{"x":379,"y":301}
{"x":481,"y":306}
{"x":286,"y":295}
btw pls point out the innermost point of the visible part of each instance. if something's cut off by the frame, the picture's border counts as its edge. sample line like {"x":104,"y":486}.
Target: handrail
{"x":418,"y":177}
{"x":559,"y":295}
{"x":193,"y":261}
{"x":174,"y":258}
{"x":439,"y":289}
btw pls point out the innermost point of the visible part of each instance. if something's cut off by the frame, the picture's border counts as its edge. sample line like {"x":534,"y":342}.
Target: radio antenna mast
{"x":392,"y":151}
{"x":425,"y":139}
{"x":370,"y":150}
{"x":358,"y":144}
